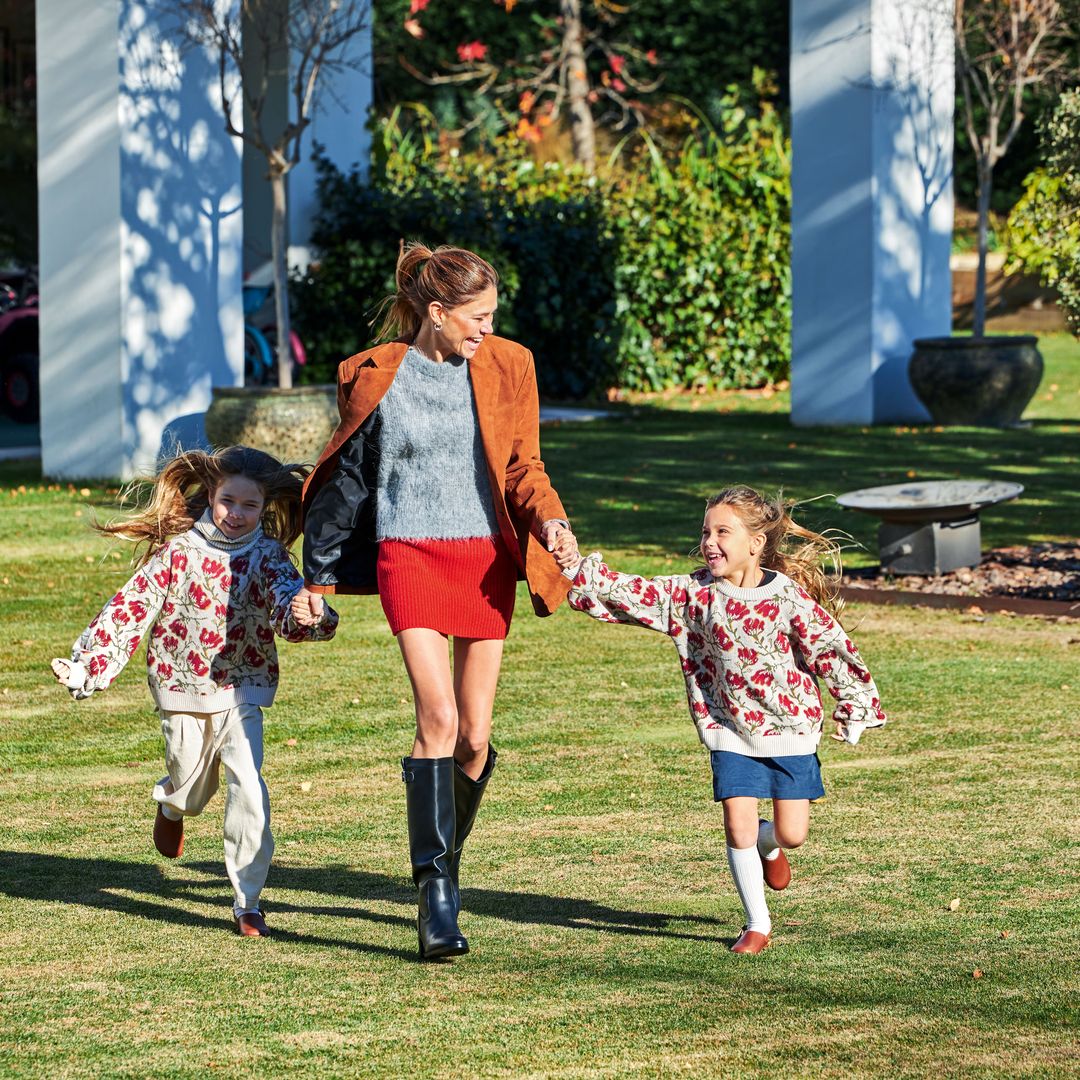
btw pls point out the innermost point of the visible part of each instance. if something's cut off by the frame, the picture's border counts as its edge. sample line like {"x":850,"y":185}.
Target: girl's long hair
{"x":798,"y":552}
{"x":450,"y":275}
{"x":181,"y":491}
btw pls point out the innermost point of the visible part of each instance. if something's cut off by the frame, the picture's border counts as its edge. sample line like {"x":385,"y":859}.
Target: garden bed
{"x":1033,"y":579}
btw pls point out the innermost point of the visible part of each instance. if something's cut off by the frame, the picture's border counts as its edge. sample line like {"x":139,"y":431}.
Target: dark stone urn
{"x":976,"y":382}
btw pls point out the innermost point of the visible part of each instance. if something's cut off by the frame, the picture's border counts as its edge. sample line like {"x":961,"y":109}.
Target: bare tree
{"x":300,"y":39}
{"x":1003,"y":48}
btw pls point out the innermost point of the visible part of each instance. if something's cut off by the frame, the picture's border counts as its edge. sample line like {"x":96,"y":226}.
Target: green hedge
{"x":1044,"y":227}
{"x":655,"y":273}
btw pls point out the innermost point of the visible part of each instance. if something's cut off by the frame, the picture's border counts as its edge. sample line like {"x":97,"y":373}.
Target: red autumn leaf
{"x":473,"y":50}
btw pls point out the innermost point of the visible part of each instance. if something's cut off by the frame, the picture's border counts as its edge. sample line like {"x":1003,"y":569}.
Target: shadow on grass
{"x":637,"y":482}
{"x":106,"y":884}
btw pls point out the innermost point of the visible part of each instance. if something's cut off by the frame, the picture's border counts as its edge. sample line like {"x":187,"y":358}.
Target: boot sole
{"x":441,"y":952}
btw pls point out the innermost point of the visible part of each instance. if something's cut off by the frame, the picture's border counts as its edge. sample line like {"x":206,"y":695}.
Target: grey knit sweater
{"x":433,"y":481}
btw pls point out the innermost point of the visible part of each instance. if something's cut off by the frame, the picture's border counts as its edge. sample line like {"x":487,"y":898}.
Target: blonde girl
{"x":754,"y":631}
{"x":213,"y":586}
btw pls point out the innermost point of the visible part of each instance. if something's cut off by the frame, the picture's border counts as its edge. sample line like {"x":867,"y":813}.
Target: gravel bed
{"x":1033,"y":572}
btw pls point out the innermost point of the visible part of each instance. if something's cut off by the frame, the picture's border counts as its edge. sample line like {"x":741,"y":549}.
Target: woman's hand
{"x":61,"y":669}
{"x":307,"y":608}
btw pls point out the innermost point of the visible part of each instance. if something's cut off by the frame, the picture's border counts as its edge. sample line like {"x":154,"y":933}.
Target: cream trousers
{"x":197,"y":745}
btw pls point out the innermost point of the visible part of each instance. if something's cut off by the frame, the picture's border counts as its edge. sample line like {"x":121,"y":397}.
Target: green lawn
{"x":597,"y":897}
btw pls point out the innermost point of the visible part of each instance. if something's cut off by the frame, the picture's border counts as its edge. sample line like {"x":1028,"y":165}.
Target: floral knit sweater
{"x":749,"y":656}
{"x":211,"y":614}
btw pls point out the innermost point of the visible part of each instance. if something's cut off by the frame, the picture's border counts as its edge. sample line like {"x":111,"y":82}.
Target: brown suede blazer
{"x":508,"y":408}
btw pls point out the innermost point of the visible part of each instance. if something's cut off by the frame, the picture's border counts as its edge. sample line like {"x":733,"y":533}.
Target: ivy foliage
{"x":1044,"y":227}
{"x":660,"y":271}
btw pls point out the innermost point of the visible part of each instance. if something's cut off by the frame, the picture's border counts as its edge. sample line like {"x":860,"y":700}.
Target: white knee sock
{"x":766,"y":841}
{"x":170,"y":813}
{"x":745,"y":866}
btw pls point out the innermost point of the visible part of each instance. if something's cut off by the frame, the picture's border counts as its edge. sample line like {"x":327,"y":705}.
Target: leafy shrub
{"x":655,"y":273}
{"x":1044,"y":227}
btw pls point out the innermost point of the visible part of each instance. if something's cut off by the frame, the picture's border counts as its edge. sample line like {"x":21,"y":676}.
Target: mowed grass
{"x":597,"y":897}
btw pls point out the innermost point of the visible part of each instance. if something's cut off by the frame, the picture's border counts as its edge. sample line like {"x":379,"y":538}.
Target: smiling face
{"x":237,"y":505}
{"x":464,"y":327}
{"x":728,"y":547}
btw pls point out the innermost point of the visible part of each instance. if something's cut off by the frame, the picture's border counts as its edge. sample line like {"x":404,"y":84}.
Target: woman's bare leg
{"x":427,"y":662}
{"x":476,"y":677}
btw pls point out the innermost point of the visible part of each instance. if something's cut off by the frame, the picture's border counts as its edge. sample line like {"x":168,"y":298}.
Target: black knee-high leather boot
{"x":429,"y":802}
{"x":467,"y":796}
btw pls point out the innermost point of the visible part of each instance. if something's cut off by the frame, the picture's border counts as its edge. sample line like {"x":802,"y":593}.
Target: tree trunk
{"x":978,"y":319}
{"x":279,"y":257}
{"x":582,"y":131}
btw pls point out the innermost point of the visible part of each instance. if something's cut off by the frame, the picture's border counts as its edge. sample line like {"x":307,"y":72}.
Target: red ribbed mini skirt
{"x":462,"y":588}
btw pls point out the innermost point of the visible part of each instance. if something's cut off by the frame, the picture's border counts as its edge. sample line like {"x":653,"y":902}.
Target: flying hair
{"x":790,"y":548}
{"x":177,"y":495}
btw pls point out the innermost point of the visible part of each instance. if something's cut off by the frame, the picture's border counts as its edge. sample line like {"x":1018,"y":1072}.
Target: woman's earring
{"x":438,"y":327}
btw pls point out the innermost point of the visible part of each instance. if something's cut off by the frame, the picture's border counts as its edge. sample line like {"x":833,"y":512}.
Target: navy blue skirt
{"x":796,"y":776}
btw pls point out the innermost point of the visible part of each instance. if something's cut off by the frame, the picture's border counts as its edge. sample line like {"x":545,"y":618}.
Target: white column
{"x":872,"y":97}
{"x":140,"y":238}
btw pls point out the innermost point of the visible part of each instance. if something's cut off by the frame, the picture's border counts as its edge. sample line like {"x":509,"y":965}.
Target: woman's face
{"x":727,"y":545}
{"x":237,"y":505}
{"x":464,"y":327}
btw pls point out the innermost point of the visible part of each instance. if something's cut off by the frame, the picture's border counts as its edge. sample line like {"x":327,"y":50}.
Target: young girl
{"x":213,"y":588}
{"x":752,"y":632}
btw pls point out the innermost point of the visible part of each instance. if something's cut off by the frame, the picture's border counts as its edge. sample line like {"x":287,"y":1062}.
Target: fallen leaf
{"x":290,"y":742}
{"x":954,"y":905}
{"x":305,"y":785}
{"x":1004,"y":933}
{"x":977,"y":973}
{"x":973,"y":610}
{"x":356,"y":701}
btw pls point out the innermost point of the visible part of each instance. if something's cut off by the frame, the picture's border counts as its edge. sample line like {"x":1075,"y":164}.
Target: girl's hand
{"x":70,"y":674}
{"x":850,"y":732}
{"x":307,"y":608}
{"x":566,"y":550}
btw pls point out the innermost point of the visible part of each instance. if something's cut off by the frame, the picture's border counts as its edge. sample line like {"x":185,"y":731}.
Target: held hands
{"x":307,"y":608}
{"x":561,"y":542}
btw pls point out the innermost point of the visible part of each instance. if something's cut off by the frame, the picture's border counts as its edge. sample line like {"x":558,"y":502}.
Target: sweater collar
{"x":209,"y":532}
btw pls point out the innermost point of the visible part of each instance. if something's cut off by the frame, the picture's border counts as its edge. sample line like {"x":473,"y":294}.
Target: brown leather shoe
{"x":750,"y":941}
{"x":251,"y":924}
{"x":168,"y":835}
{"x":777,"y":871}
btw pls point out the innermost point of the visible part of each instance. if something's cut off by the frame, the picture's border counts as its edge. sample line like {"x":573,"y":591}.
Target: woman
{"x":432,"y":493}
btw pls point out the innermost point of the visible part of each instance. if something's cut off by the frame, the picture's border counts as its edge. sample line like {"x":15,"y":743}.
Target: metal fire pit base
{"x":934,"y":548}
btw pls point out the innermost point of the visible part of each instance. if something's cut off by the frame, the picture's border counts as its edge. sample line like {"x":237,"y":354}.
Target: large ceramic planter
{"x":981,"y":382}
{"x":293,"y":425}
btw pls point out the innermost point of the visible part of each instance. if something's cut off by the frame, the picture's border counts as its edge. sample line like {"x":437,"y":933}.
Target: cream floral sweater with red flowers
{"x":211,"y":615}
{"x":751,"y":657}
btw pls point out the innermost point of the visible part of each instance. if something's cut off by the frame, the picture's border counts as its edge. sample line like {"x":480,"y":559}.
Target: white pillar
{"x":872,"y":96}
{"x":140,"y":238}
